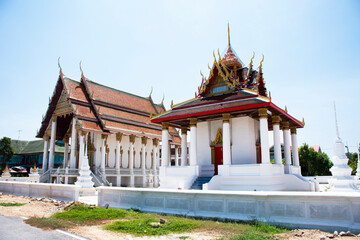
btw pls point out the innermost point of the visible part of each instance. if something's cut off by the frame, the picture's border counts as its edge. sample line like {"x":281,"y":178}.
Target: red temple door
{"x":218,"y":158}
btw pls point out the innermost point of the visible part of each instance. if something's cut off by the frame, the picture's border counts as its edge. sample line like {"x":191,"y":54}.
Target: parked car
{"x":18,"y":171}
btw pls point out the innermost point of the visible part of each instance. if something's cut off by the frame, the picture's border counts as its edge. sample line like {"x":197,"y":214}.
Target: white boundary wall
{"x":56,"y":191}
{"x":325,"y":211}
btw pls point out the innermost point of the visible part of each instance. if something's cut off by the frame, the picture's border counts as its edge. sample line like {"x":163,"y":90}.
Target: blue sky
{"x":311,"y":49}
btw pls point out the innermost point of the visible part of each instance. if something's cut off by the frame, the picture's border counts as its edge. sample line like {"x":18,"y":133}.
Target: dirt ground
{"x":44,"y":207}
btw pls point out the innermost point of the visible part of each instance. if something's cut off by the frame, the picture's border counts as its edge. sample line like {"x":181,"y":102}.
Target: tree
{"x":313,"y":163}
{"x":6,"y":150}
{"x":353,"y":160}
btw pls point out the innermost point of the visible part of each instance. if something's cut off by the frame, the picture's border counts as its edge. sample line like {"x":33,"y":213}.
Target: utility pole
{"x":19,"y":131}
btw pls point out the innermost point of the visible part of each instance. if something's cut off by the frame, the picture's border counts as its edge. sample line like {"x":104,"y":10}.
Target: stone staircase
{"x":197,"y":184}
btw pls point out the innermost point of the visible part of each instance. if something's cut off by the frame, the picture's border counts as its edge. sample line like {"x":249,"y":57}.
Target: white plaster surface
{"x":57,"y":191}
{"x":243,"y":140}
{"x":326,"y":211}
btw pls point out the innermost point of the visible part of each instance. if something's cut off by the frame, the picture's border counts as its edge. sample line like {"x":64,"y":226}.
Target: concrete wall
{"x":56,"y":191}
{"x":325,"y":211}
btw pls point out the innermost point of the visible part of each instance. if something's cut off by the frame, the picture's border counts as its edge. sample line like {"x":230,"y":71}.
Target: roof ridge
{"x":117,"y":90}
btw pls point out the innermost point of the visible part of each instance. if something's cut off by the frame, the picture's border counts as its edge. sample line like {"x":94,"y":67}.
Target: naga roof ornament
{"x":82,"y":73}
{"x":61,"y":72}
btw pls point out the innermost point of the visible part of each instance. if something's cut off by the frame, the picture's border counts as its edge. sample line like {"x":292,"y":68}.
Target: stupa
{"x":342,"y":181}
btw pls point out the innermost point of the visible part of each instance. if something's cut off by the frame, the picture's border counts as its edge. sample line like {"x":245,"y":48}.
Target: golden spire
{"x":229,"y":35}
{"x":201,"y":74}
{"x":286,"y":109}
{"x":270,"y":96}
{"x":303,"y":121}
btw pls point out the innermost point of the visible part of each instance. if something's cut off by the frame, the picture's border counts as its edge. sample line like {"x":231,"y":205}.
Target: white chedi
{"x":84,"y":180}
{"x":341,"y":172}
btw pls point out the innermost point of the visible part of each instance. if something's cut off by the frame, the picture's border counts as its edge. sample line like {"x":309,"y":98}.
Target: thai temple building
{"x":228,"y":122}
{"x":113,"y":126}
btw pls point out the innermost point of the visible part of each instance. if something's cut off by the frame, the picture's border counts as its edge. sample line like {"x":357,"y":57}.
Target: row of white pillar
{"x":52,"y":139}
{"x":264,"y":141}
{"x":131,"y":157}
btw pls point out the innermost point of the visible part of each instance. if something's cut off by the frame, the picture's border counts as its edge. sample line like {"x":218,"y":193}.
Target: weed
{"x":48,"y":223}
{"x":84,"y":213}
{"x":150,"y":227}
{"x":12,"y":204}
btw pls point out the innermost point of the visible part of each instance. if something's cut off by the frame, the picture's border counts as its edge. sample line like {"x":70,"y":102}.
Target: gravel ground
{"x":45,"y":207}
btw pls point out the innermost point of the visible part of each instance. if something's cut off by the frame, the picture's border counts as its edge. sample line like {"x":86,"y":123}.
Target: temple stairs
{"x":198,"y":183}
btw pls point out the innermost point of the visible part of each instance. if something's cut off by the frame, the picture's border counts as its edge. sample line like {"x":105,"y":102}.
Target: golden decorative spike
{"x":219,"y":55}
{"x":252,"y":58}
{"x":201,"y":74}
{"x":209,"y":67}
{"x":151,"y":116}
{"x":303,"y":121}
{"x":214,"y":56}
{"x":172,"y":104}
{"x":229,"y":35}
{"x":261,"y":61}
{"x":270,"y":96}
{"x":286,"y":109}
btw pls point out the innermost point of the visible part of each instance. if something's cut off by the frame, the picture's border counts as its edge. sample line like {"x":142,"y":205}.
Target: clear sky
{"x":311,"y":49}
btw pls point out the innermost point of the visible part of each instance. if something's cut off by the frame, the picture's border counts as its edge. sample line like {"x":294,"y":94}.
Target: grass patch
{"x":12,"y":204}
{"x":86,"y":213}
{"x":48,"y":223}
{"x":151,"y":227}
{"x":143,"y":224}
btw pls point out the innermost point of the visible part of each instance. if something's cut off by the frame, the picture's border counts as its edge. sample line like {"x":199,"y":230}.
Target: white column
{"x":165,"y":145}
{"x":264,"y":136}
{"x":294,"y":144}
{"x":103,"y":153}
{"x":226,"y":139}
{"x":183,"y":146}
{"x":277,"y":144}
{"x":143,"y":160}
{"x":131,"y":161}
{"x":81,"y":147}
{"x":155,"y":161}
{"x":52,"y":143}
{"x":193,"y":142}
{"x":45,"y":154}
{"x":176,"y":155}
{"x":117,"y":152}
{"x":117,"y":159}
{"x":286,"y":135}
{"x":66,"y":151}
{"x":73,"y":145}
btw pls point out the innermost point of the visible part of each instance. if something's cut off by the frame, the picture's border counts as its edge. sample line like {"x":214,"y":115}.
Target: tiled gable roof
{"x":107,"y":110}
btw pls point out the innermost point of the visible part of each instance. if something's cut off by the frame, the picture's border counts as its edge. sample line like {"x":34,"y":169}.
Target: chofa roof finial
{"x":82,"y":73}
{"x":61,"y":72}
